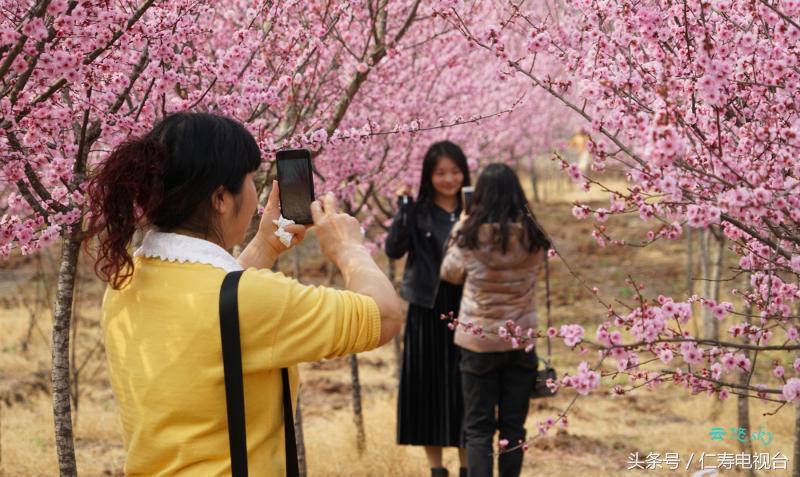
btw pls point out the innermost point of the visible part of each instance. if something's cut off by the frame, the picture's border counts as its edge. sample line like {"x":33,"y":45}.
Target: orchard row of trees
{"x":694,"y":100}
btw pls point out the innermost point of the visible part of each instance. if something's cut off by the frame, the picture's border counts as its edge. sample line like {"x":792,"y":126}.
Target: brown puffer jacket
{"x":497,"y":286}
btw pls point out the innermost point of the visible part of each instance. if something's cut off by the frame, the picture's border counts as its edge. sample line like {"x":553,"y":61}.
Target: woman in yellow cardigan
{"x":189,"y":183}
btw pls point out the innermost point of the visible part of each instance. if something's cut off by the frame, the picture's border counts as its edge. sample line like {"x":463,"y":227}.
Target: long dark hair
{"x":165,"y":179}
{"x":499,"y":198}
{"x":435,"y":153}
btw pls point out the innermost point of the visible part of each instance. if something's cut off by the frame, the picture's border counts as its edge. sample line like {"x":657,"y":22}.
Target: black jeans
{"x":497,"y":389}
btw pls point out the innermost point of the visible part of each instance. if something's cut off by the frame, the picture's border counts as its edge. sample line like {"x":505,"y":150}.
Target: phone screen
{"x":467,"y":193}
{"x":296,"y":184}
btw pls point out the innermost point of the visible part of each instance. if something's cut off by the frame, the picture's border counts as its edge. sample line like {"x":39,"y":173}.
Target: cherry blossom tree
{"x":367,"y":85}
{"x":696,"y":102}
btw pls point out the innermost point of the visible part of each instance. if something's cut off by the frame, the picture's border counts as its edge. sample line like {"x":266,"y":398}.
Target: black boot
{"x":439,"y":472}
{"x":462,"y":472}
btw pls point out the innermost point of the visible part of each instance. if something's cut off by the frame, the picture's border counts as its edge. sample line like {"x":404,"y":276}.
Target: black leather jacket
{"x":421,"y":231}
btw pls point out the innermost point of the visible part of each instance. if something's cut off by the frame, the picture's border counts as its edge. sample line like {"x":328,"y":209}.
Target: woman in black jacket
{"x":429,"y":406}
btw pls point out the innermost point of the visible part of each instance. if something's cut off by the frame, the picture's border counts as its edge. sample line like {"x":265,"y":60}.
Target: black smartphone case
{"x":293,"y":154}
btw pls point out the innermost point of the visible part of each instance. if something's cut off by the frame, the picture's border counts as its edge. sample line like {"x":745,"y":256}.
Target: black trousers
{"x":496,"y":389}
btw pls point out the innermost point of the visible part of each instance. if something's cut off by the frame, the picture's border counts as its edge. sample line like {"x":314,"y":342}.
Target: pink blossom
{"x":691,"y":353}
{"x":795,"y":263}
{"x":57,"y":7}
{"x":585,"y":380}
{"x":35,"y":29}
{"x":574,"y":172}
{"x":791,"y":390}
{"x":580,"y":211}
{"x":538,"y":42}
{"x":572,"y":334}
{"x":778,"y":371}
{"x":320,"y":135}
{"x":719,"y":312}
{"x":702,"y":216}
{"x":646,"y":211}
{"x":728,"y":361}
{"x":742,"y":362}
{"x":716,"y":371}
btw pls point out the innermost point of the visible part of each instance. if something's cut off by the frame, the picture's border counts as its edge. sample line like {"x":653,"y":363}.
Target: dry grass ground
{"x":602,"y":432}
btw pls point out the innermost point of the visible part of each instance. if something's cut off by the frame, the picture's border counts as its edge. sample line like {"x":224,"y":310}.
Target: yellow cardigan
{"x":164,"y":354}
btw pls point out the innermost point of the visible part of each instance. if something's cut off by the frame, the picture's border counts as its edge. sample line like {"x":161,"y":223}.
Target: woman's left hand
{"x":266,"y":228}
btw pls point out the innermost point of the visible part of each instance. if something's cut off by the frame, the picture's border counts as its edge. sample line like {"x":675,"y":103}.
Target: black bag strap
{"x":234,"y":389}
{"x":232,"y":363}
{"x":292,"y":469}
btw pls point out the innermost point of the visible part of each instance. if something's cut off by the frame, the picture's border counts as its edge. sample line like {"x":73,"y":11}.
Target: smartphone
{"x":466,"y":197}
{"x":296,"y":183}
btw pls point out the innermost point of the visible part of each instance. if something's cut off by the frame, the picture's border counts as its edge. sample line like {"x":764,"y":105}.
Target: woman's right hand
{"x":403,"y":190}
{"x":403,"y":196}
{"x":337,"y":232}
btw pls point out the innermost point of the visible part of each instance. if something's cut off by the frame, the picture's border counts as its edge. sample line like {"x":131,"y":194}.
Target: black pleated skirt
{"x":430,"y":407}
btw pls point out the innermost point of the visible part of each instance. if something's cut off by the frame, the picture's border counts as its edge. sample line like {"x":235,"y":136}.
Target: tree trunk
{"x":713,"y":292}
{"x":796,"y":460}
{"x":706,"y":273}
{"x":689,"y":261}
{"x":74,"y":371}
{"x":358,"y":417}
{"x":73,"y":362}
{"x":62,"y":311}
{"x":397,"y":341}
{"x":29,"y":333}
{"x":742,"y":402}
{"x":534,"y":180}
{"x":1,"y":439}
{"x":713,"y":282}
{"x":298,"y":432}
{"x":717,"y":284}
{"x":62,"y":411}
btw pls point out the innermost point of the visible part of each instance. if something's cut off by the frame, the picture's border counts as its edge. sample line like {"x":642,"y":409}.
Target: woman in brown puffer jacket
{"x":496,"y":252}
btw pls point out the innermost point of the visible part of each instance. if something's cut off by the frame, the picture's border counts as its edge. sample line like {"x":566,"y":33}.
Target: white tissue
{"x":284,"y":236}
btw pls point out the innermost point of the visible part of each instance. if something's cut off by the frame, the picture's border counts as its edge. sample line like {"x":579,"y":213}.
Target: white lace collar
{"x":182,"y":248}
